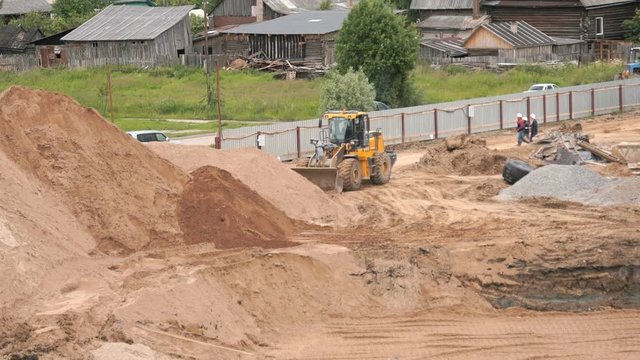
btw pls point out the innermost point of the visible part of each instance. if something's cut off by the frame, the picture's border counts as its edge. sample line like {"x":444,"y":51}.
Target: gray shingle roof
{"x":459,"y":22}
{"x":122,"y":22}
{"x":519,"y":34}
{"x":441,"y":4}
{"x":18,"y":7}
{"x":307,"y":22}
{"x":451,"y":46}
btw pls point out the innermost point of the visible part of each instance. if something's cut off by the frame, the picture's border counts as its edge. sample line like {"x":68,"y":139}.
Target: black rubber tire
{"x":381,"y":172}
{"x":349,"y":170}
{"x":515,"y":170}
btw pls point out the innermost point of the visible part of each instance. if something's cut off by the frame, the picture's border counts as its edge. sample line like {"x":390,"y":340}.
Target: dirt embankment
{"x":124,"y":194}
{"x":462,"y":155}
{"x":284,"y":188}
{"x":217,"y":207}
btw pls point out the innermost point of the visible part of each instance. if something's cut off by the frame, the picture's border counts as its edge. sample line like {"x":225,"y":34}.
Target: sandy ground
{"x":430,"y":266}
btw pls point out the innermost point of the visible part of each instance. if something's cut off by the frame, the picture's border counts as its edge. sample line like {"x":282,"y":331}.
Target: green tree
{"x":78,"y":8}
{"x":350,"y":90}
{"x":197,"y":24}
{"x":381,"y":44}
{"x":633,"y":27}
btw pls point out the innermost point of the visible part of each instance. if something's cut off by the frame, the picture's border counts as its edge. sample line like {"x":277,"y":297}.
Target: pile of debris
{"x":289,"y":69}
{"x":570,"y":146}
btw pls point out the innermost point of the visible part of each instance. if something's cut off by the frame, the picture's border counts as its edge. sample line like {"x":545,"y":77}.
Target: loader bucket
{"x":326,"y":178}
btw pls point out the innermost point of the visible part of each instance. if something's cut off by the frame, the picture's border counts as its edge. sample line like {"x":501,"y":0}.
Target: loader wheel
{"x":381,"y":173}
{"x":351,"y":174}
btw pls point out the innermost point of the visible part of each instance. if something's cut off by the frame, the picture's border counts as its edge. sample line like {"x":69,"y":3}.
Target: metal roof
{"x":123,"y":22}
{"x":597,"y":3}
{"x":291,"y":6}
{"x":441,"y":4}
{"x":555,"y":3}
{"x":451,"y":46}
{"x":307,"y":22}
{"x":458,"y":22}
{"x":18,"y":7}
{"x":519,"y":34}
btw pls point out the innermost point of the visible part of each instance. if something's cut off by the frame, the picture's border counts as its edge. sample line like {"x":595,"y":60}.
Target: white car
{"x":542,"y":87}
{"x":148,"y":135}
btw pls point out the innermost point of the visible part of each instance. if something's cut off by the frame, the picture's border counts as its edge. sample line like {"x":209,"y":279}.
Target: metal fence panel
{"x":284,"y":140}
{"x":419,"y":126}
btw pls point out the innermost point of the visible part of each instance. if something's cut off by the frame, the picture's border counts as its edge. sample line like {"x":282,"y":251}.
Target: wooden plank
{"x":598,"y":151}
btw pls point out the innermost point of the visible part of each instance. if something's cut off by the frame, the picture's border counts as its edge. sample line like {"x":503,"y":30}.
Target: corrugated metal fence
{"x":292,"y":139}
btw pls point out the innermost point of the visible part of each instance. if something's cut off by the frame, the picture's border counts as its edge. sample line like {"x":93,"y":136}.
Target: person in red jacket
{"x":520,"y":128}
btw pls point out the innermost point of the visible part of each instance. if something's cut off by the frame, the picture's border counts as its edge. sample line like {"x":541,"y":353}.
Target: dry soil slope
{"x":124,"y":194}
{"x":288,"y":191}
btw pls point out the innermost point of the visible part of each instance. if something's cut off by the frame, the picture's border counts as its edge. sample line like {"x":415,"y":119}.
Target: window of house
{"x":599,"y":26}
{"x":94,"y":44}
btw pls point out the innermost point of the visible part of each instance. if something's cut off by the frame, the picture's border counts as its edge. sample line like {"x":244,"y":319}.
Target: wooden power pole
{"x":110,"y":95}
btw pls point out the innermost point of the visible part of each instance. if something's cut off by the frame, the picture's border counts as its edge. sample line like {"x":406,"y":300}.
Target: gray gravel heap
{"x":576,"y":184}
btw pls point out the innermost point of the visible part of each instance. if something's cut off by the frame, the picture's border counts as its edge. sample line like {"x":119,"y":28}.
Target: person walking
{"x":533,"y":126}
{"x":520,"y":128}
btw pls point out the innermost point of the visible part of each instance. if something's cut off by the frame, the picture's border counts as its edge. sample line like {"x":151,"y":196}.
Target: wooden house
{"x":13,"y":9}
{"x":138,"y":35}
{"x":512,"y":42}
{"x":308,"y":37}
{"x":576,"y":19}
{"x":17,"y":52}
{"x":237,"y":12}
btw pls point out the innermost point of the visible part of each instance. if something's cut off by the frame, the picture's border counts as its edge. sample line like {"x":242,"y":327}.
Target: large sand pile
{"x":218,"y":208}
{"x":284,"y":188}
{"x":120,"y":191}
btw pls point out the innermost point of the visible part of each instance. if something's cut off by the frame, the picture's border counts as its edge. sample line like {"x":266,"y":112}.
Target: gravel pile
{"x":576,"y":184}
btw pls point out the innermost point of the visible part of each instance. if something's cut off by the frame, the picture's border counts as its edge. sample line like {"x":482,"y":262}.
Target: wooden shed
{"x":576,"y":19}
{"x":442,"y":51}
{"x":52,"y":51}
{"x":307,"y":36}
{"x":137,"y":35}
{"x":515,"y":42}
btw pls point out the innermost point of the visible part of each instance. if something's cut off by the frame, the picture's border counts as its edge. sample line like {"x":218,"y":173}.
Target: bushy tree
{"x":381,"y":44}
{"x":350,"y":90}
{"x":633,"y":27}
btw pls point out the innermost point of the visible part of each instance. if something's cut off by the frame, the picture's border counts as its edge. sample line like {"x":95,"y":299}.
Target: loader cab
{"x":349,"y":128}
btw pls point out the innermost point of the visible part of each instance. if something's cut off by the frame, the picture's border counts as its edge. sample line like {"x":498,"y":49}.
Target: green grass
{"x":456,"y":83}
{"x":144,"y":99}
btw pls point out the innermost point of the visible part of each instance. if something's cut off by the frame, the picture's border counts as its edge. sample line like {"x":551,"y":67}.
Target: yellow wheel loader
{"x":346,"y":153}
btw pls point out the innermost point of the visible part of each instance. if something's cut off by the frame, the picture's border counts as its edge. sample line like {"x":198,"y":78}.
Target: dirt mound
{"x":287,"y":190}
{"x":216,"y":207}
{"x":119,"y":190}
{"x":463,"y":155}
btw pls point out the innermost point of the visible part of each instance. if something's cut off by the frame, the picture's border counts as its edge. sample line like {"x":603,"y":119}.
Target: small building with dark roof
{"x":308,"y":37}
{"x":126,"y":34}
{"x":51,"y":50}
{"x":442,"y":51}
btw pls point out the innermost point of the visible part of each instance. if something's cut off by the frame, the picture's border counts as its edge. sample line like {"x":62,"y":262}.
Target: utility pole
{"x":110,"y":95}
{"x":219,"y":144}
